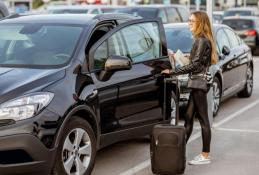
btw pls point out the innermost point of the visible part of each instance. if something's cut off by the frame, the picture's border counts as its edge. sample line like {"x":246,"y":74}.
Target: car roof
{"x":61,"y":7}
{"x":76,"y":19}
{"x":242,"y":17}
{"x":155,"y":6}
{"x":185,"y":25}
{"x":242,"y":9}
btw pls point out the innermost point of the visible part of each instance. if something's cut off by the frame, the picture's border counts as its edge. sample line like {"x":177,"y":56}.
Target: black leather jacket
{"x":200,"y":58}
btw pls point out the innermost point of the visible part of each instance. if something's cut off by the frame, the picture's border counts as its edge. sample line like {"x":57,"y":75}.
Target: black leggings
{"x":198,"y":107}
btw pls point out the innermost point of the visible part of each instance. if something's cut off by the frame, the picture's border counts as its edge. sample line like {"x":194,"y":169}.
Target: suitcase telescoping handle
{"x":173,"y":79}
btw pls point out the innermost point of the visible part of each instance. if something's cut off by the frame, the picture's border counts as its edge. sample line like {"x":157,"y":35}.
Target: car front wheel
{"x":77,"y":149}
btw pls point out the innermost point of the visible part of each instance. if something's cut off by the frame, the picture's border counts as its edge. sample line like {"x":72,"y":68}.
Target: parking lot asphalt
{"x":234,"y":147}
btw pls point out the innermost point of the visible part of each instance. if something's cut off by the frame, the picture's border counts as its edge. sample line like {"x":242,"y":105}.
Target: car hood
{"x":19,"y":81}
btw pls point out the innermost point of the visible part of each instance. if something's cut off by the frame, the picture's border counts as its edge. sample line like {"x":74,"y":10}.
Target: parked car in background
{"x":233,"y":74}
{"x":72,"y":84}
{"x":218,"y":17}
{"x":247,"y":27}
{"x":168,"y":13}
{"x":242,"y":11}
{"x":82,"y":9}
{"x":3,"y":10}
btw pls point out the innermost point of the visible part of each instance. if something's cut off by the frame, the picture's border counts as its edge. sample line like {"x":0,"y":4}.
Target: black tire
{"x":76,"y":125}
{"x":216,"y":96}
{"x":248,"y":89}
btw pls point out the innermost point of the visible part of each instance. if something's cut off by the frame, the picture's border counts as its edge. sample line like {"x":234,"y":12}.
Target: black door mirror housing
{"x":114,"y":63}
{"x":225,"y":50}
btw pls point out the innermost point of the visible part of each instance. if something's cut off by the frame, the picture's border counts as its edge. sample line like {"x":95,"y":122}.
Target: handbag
{"x":201,"y":81}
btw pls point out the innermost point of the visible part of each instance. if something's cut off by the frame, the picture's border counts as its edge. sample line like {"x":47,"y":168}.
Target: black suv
{"x":72,"y":84}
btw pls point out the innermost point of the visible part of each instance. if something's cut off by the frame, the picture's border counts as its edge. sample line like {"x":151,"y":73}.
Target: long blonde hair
{"x":203,"y":27}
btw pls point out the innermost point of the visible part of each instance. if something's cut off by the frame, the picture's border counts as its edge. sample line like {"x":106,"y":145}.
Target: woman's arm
{"x":200,"y":44}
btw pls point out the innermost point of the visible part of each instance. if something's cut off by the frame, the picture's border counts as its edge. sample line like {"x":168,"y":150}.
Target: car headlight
{"x":25,"y":107}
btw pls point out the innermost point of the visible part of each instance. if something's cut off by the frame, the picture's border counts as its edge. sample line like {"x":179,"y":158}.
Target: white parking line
{"x":146,"y":163}
{"x":235,"y":114}
{"x":238,"y":130}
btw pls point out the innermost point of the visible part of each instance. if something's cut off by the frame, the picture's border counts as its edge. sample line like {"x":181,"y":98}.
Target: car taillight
{"x":251,"y":32}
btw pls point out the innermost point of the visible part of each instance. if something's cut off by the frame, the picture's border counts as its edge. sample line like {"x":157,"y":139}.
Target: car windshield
{"x":217,"y":17}
{"x":179,"y":38}
{"x":238,"y":13}
{"x":239,"y":24}
{"x":143,"y":12}
{"x":37,"y":44}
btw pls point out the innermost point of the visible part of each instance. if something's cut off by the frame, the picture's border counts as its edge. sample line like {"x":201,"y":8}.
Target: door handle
{"x":150,"y":78}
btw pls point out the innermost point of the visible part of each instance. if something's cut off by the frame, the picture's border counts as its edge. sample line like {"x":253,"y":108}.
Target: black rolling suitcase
{"x":168,"y":145}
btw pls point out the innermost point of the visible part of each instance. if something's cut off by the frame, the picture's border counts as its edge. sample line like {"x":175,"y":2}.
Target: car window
{"x":139,"y":42}
{"x":232,"y":37}
{"x":239,"y":24}
{"x":1,"y":15}
{"x":143,"y":12}
{"x":238,"y":13}
{"x":257,"y":23}
{"x":95,"y":11}
{"x":184,"y":14}
{"x":240,"y":41}
{"x":109,"y":10}
{"x":222,"y":40}
{"x":179,"y":38}
{"x":173,"y":16}
{"x":142,"y":41}
{"x":100,"y":56}
{"x":162,"y":15}
{"x":37,"y":44}
{"x":217,"y":17}
{"x":112,"y":46}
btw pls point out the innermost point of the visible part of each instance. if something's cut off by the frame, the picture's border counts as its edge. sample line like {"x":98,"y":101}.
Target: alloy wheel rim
{"x":76,"y":152}
{"x":216,"y":97}
{"x":249,"y":81}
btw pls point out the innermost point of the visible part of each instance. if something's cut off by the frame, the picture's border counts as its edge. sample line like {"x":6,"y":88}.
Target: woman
{"x":203,"y":54}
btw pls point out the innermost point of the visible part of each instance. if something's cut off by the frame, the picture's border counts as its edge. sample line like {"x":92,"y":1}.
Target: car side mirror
{"x":114,"y":63}
{"x":225,"y":50}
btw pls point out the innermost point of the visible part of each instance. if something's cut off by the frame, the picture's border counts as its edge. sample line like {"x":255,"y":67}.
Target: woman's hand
{"x":170,"y":53}
{"x":166,"y":71}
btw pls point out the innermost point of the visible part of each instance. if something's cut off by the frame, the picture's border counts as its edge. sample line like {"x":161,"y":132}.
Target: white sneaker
{"x":199,"y":160}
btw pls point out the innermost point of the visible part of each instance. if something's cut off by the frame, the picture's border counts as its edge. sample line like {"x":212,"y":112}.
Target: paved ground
{"x":234,"y":150}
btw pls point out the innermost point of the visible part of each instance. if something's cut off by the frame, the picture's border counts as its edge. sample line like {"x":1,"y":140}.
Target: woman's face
{"x":192,"y":23}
